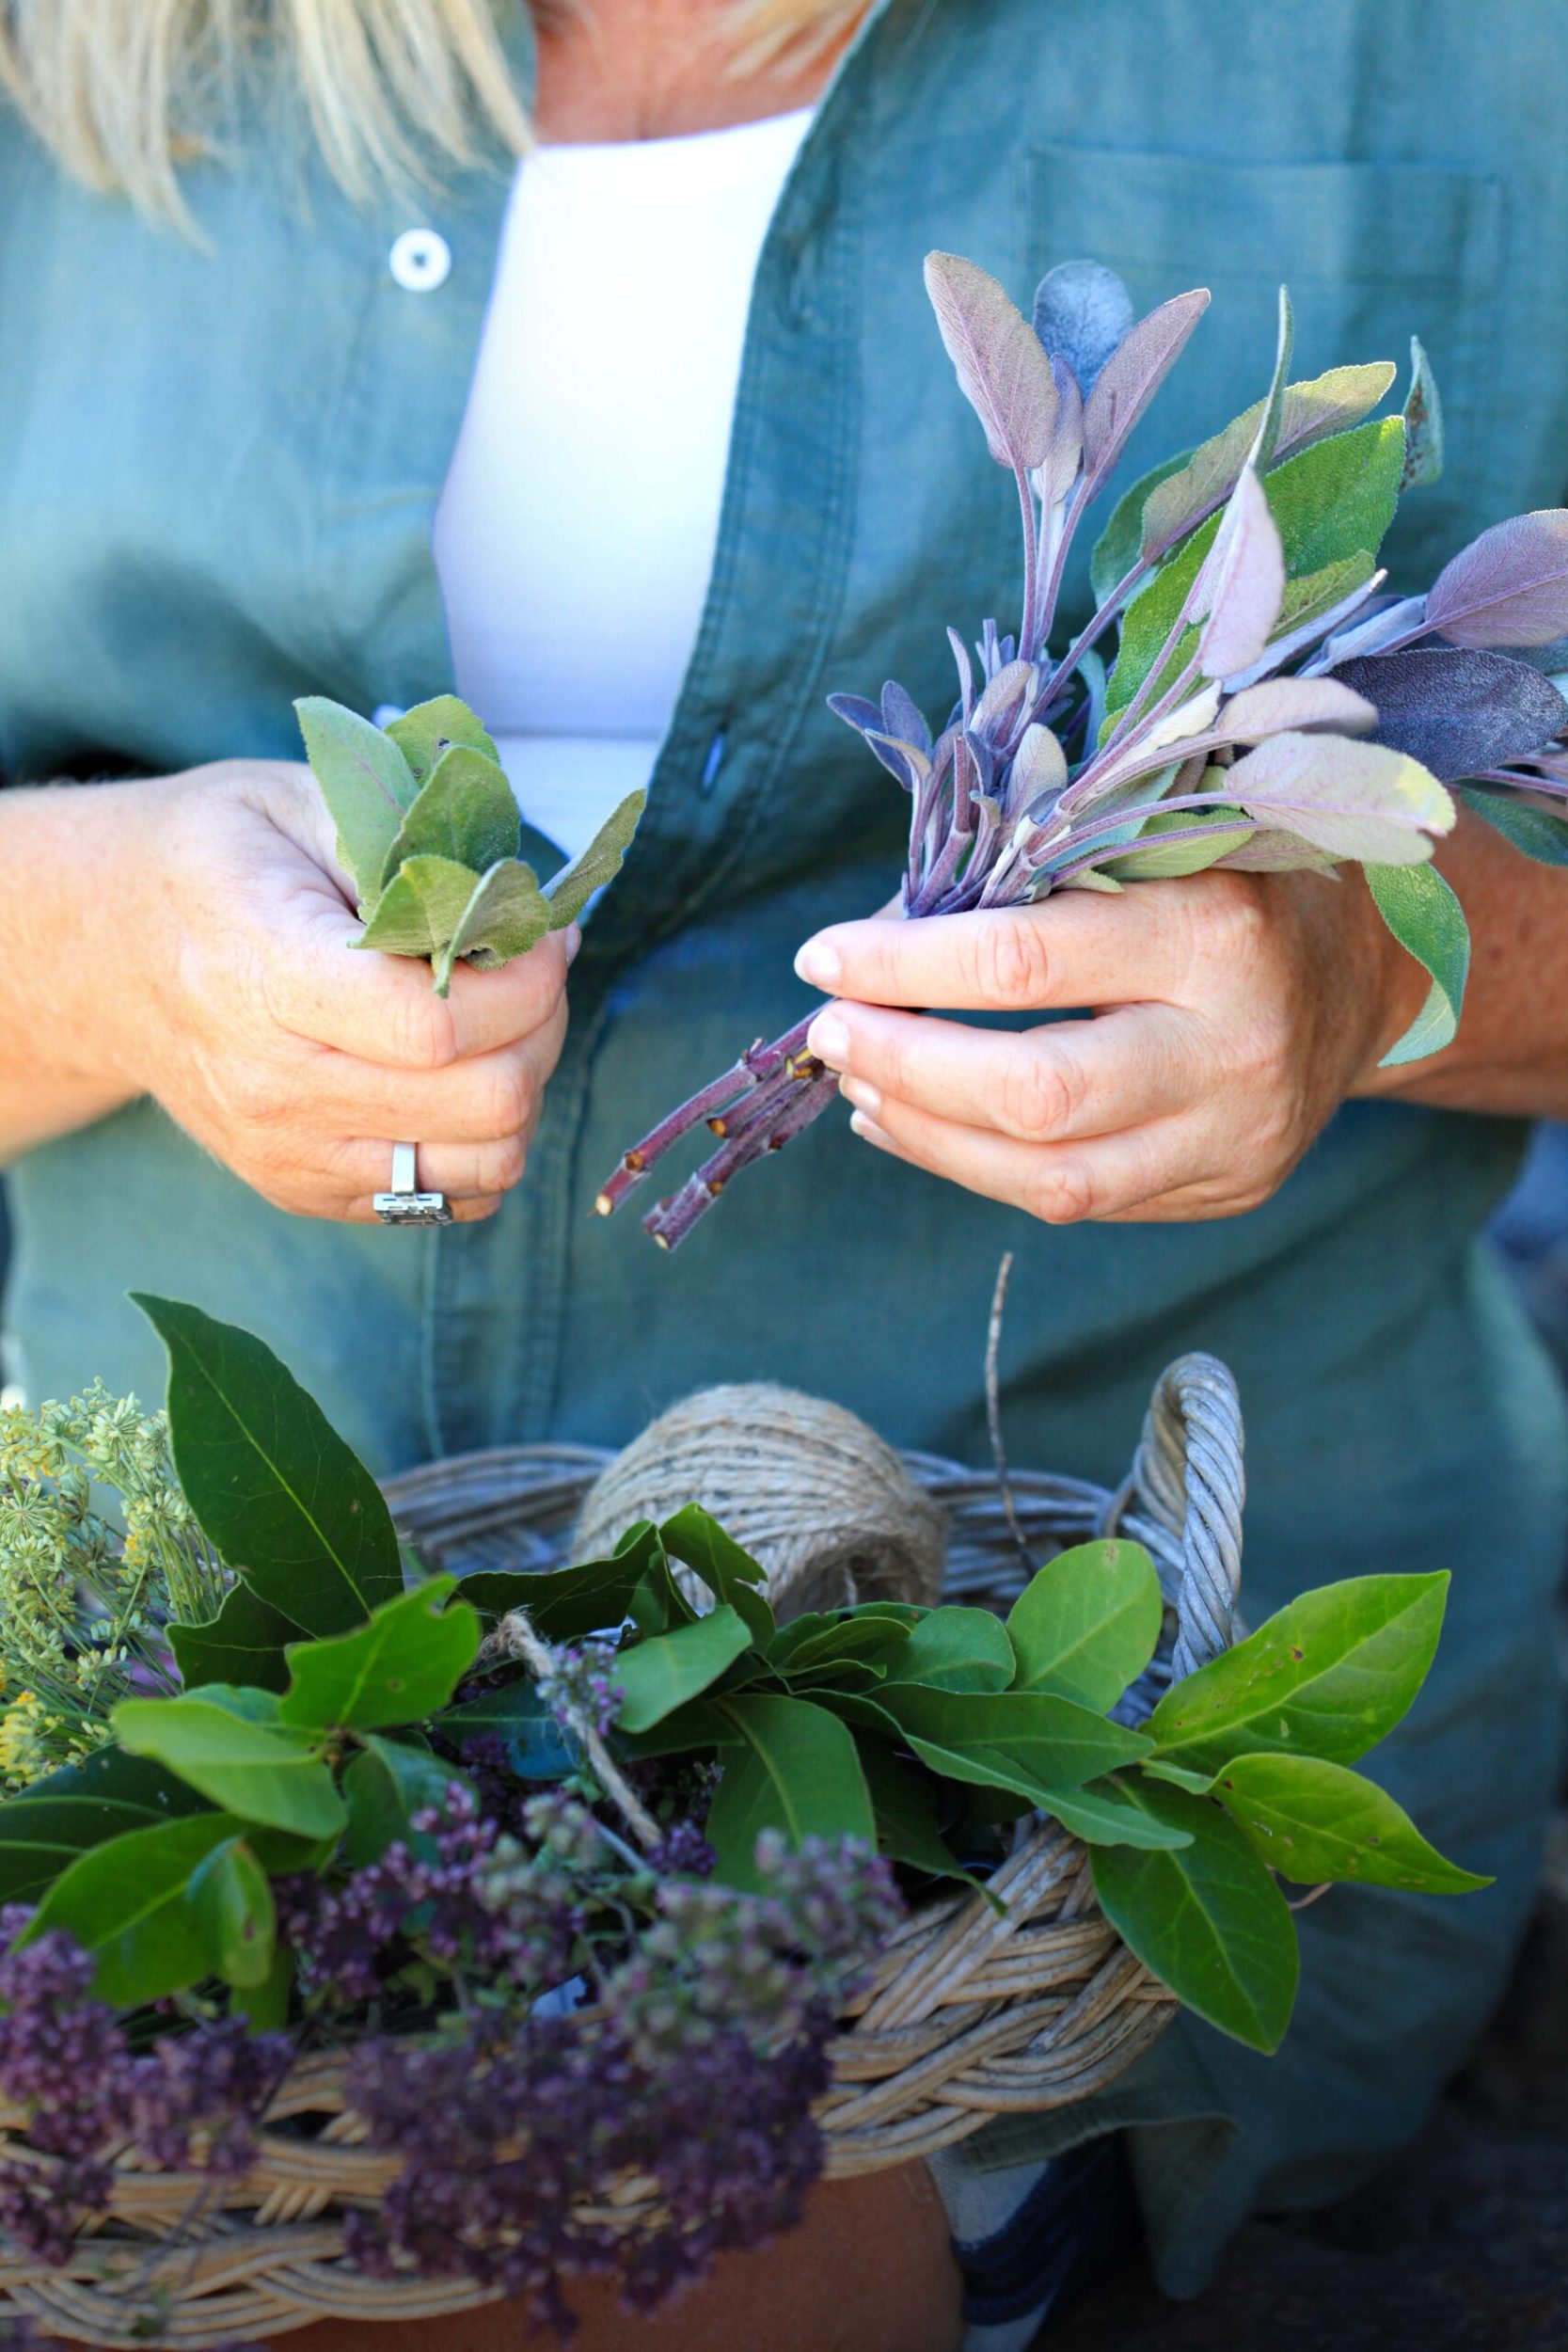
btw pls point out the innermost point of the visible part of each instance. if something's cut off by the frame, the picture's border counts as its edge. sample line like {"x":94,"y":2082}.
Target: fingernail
{"x":573,"y":941}
{"x":870,"y":1132}
{"x":818,"y":963}
{"x":829,"y":1038}
{"x":865,"y":1098}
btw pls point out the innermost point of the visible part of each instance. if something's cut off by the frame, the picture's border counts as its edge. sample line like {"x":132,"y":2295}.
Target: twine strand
{"x":514,"y":1637}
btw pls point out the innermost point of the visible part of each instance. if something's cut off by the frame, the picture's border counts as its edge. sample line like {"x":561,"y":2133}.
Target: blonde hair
{"x":124,"y":90}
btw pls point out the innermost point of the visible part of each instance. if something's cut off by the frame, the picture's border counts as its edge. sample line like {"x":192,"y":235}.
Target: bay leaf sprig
{"x":430,"y":832}
{"x":327,"y":1710}
{"x":1269,"y":702}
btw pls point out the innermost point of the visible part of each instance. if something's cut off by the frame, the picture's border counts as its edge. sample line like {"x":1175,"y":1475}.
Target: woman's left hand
{"x":1232,"y":1014}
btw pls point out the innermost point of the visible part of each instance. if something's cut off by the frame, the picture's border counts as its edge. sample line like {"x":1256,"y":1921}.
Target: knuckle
{"x":420,"y":1032}
{"x":501,"y":1164}
{"x":1233,"y":920}
{"x":257,"y":1093}
{"x":1042,"y":1090}
{"x":509,"y":1107}
{"x":1060,"y":1191}
{"x":1010,"y":964}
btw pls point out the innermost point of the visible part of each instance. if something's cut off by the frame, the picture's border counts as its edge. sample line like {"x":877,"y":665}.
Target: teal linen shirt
{"x":219,"y":462}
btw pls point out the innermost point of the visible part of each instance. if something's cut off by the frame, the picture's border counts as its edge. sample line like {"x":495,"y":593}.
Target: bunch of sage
{"x":430,"y":832}
{"x":1270,"y":704}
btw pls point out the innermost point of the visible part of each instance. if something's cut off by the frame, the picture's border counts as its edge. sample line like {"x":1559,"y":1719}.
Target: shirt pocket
{"x":1372,"y":253}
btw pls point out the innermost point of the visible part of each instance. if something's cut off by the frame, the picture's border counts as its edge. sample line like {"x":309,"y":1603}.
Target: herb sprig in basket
{"x":564,"y":1880}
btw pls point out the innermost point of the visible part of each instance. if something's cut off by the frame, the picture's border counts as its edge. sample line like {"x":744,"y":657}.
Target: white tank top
{"x":576,"y":532}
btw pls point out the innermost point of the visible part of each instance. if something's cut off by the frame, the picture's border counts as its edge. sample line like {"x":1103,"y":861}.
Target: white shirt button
{"x":421,"y":260}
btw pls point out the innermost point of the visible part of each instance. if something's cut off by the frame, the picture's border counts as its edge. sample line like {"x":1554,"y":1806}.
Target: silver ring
{"x":406,"y":1204}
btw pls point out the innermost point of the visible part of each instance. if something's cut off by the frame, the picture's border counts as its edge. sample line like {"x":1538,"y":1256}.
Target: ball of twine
{"x":826,"y":1510}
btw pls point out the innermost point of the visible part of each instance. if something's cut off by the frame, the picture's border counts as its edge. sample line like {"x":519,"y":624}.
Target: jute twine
{"x":826,"y":1508}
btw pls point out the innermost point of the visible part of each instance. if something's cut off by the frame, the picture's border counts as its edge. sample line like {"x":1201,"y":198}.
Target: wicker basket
{"x":969,"y":2014}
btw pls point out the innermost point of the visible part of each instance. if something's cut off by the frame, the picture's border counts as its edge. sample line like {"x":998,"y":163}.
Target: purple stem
{"x":1030,"y":564}
{"x":810,"y":1092}
{"x":759,"y":1063}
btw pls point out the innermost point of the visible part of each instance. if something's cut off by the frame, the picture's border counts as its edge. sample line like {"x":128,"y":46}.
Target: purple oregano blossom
{"x":1268,"y":705}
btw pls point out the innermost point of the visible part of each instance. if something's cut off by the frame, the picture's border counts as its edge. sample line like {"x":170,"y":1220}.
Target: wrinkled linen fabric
{"x":221,"y":459}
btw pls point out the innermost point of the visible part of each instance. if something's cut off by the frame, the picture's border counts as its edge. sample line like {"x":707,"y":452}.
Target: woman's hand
{"x":1233,"y":1013}
{"x":231,"y":993}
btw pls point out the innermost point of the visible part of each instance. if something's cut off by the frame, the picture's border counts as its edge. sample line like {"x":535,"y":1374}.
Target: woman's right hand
{"x":239,"y":1003}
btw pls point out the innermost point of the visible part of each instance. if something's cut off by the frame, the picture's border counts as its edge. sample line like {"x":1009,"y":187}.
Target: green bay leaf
{"x":125,"y":1903}
{"x":253,"y":1769}
{"x":795,"y":1771}
{"x":656,"y":1676}
{"x":1208,"y":1920}
{"x":274,"y":1489}
{"x":1086,"y":1623}
{"x":401,"y":1665}
{"x":1330,"y":1676}
{"x":1315,"y":1822}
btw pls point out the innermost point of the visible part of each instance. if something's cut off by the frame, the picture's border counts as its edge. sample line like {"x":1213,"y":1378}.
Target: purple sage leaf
{"x":1293,"y":705}
{"x":1309,"y":412}
{"x":1082,"y":313}
{"x":1131,"y":376}
{"x":1001,"y":366}
{"x":1001,"y":706}
{"x":1039,"y":771}
{"x":1248,"y":583}
{"x":857,"y":712}
{"x":1354,"y":800}
{"x":1458,"y":710}
{"x":902,"y":716}
{"x":1509,"y":587}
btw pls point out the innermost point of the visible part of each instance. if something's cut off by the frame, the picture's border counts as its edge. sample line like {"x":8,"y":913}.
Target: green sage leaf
{"x":1314,"y":1821}
{"x":1328,"y":1676}
{"x":401,"y":1666}
{"x":423,"y":733}
{"x":274,"y":1489}
{"x":1534,"y":831}
{"x":1428,"y":921}
{"x":1208,"y":1920}
{"x":657,"y":1677}
{"x":1119,"y":546}
{"x":569,"y":891}
{"x":796,"y":1771}
{"x":466,"y":811}
{"x":420,"y":909}
{"x":255,"y":1770}
{"x":365,"y":780}
{"x":506,"y":914}
{"x":1423,"y":423}
{"x":1335,"y":500}
{"x":1150,"y":860}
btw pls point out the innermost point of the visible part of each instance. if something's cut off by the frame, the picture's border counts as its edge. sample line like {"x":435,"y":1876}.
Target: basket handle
{"x":1187,"y":1473}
